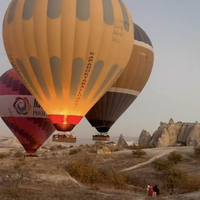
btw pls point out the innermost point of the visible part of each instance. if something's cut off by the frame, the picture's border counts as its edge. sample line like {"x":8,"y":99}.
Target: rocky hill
{"x":171,"y":134}
{"x":9,"y":141}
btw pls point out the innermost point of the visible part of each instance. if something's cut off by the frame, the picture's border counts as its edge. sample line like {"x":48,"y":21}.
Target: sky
{"x":172,"y":90}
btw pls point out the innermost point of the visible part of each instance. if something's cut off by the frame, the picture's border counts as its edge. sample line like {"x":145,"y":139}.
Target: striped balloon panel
{"x":108,"y":109}
{"x":68,"y":52}
{"x":10,"y":84}
{"x":127,"y":87}
{"x":31,"y":132}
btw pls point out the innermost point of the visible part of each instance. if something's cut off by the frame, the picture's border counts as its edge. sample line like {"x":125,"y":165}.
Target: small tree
{"x":171,"y":176}
{"x":175,"y":157}
{"x":175,"y":178}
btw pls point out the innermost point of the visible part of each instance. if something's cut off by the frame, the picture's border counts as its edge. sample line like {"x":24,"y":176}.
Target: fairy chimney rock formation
{"x":171,"y":121}
{"x":144,"y":139}
{"x":171,"y":133}
{"x":121,"y":144}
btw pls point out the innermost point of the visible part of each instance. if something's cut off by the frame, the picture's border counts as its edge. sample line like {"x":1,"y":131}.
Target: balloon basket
{"x":30,"y":155}
{"x":101,"y":137}
{"x":64,"y":138}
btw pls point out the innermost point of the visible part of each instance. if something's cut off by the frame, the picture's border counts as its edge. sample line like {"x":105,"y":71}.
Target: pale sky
{"x":173,"y":87}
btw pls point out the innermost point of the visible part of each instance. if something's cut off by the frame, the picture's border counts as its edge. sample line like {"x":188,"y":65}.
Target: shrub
{"x":117,"y":149}
{"x":92,"y":151}
{"x":53,"y":148}
{"x":2,"y":156}
{"x":105,"y":170}
{"x":20,"y":159}
{"x":60,"y":147}
{"x":193,"y":184}
{"x":54,"y":154}
{"x":34,"y":164}
{"x":163,"y":165}
{"x":84,"y":173}
{"x":117,"y":179}
{"x":174,"y":178}
{"x":138,"y":153}
{"x":175,"y":157}
{"x":136,"y":180}
{"x":19,"y":154}
{"x":74,"y":151}
{"x":19,"y":173}
{"x":134,"y":147}
{"x":43,"y":147}
{"x":197,"y":152}
{"x":171,"y":176}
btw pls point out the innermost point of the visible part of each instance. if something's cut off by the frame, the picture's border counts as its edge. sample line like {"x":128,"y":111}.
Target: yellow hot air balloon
{"x":68,"y":52}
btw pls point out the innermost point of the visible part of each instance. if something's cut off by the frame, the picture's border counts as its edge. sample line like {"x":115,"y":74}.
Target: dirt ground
{"x":47,"y":178}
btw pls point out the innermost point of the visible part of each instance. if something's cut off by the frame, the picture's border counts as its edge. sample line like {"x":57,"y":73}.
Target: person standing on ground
{"x":148,"y":186}
{"x":155,"y":190}
{"x":150,"y":191}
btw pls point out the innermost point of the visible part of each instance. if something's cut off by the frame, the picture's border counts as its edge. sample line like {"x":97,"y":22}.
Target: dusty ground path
{"x":156,"y":153}
{"x":149,"y":161}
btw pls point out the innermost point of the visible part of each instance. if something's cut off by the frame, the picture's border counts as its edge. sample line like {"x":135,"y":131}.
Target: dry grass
{"x":48,"y":179}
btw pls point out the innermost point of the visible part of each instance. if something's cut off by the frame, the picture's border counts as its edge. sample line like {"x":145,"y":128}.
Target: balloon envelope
{"x":68,"y":53}
{"x":22,"y":114}
{"x":128,"y":86}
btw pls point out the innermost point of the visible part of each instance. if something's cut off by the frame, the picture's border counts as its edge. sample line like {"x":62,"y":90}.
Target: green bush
{"x":175,"y":157}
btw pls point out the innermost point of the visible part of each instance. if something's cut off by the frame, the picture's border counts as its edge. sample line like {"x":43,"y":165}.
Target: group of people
{"x":64,"y":136}
{"x":101,"y":135}
{"x":152,"y":191}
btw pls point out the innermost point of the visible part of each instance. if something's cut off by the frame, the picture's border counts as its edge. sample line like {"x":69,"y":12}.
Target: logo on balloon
{"x":22,"y":105}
